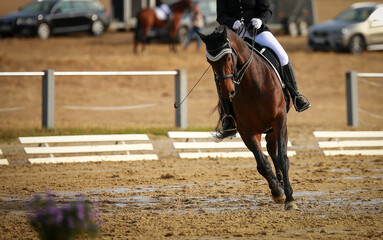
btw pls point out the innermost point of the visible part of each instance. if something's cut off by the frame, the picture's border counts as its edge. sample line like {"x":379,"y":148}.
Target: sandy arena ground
{"x":338,"y":197}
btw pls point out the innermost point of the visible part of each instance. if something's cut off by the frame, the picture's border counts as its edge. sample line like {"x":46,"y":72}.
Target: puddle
{"x":183,"y":204}
{"x":349,"y":170}
{"x":169,"y":199}
{"x":341,"y":170}
{"x":358,"y":177}
{"x":154,"y":188}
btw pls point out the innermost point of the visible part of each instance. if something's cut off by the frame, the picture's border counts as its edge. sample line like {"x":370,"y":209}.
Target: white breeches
{"x":162,"y":11}
{"x":267,"y":39}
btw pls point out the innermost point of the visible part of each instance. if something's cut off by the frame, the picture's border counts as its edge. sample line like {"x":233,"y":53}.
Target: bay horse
{"x":259,"y":106}
{"x":147,"y":19}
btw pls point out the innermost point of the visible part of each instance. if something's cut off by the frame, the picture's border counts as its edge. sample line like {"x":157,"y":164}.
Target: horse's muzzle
{"x":227,"y":88}
{"x":228,"y":94}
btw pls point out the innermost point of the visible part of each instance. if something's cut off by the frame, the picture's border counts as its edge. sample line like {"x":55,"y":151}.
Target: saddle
{"x":271,"y":58}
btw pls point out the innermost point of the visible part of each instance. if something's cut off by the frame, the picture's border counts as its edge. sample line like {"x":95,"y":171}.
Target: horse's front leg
{"x":264,"y":166}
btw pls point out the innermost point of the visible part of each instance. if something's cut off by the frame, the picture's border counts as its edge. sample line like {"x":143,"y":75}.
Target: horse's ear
{"x":201,"y":36}
{"x":224,"y":33}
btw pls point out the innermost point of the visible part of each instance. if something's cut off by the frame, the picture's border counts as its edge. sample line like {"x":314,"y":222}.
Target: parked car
{"x":47,"y":17}
{"x":358,"y":28}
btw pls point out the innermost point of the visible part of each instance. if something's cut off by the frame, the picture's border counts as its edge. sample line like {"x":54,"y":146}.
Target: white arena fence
{"x":353,"y":109}
{"x":82,"y":148}
{"x":48,"y":89}
{"x":350,"y":142}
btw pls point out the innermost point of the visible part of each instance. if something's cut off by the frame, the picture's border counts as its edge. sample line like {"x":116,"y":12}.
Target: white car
{"x":356,"y":29}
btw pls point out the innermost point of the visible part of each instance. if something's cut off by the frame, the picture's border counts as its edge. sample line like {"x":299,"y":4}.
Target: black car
{"x":47,"y":17}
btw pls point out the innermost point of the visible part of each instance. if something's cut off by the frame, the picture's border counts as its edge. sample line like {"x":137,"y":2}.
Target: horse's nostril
{"x":232,"y":93}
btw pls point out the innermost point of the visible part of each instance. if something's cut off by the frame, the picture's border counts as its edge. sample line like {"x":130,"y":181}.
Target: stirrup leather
{"x":295,"y":102}
{"x":234,"y":128}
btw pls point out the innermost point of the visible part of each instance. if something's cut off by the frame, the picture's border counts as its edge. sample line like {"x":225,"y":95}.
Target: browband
{"x":217,"y":57}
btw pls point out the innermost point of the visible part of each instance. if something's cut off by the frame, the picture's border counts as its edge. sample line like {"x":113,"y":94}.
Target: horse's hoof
{"x":290,"y":206}
{"x":279,"y":199}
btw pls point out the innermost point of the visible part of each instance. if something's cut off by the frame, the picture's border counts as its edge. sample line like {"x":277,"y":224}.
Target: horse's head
{"x":181,"y":5}
{"x":222,"y":57}
{"x":189,"y":3}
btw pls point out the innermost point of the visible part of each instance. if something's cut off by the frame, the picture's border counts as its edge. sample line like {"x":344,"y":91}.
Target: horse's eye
{"x":229,"y":59}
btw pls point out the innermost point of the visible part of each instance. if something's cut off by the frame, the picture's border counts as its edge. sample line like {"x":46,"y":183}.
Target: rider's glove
{"x":257,"y":23}
{"x":237,"y":24}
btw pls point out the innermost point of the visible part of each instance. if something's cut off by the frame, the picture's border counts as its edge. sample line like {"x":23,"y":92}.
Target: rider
{"x":237,"y":14}
{"x":164,"y":8}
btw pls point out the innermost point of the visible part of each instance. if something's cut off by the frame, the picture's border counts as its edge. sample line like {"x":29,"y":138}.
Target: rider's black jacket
{"x":228,"y":11}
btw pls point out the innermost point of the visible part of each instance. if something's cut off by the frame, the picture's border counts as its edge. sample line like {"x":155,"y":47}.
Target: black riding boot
{"x":300,"y":101}
{"x":226,"y":112}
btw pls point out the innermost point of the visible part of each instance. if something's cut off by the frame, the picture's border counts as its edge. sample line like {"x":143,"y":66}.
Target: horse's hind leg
{"x":264,"y":166}
{"x":138,"y":38}
{"x":136,"y":41}
{"x":172,"y":44}
{"x":282,"y":162}
{"x":145,"y":39}
{"x":272,"y":148}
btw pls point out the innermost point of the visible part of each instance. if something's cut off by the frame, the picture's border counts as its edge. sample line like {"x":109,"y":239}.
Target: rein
{"x":245,"y":66}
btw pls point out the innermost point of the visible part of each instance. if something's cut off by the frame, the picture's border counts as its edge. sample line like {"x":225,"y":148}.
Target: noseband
{"x":237,"y":75}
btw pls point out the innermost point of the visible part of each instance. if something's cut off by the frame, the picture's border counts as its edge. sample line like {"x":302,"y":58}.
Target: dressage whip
{"x":179,"y":104}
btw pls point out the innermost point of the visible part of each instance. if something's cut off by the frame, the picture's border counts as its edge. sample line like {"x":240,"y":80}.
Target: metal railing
{"x":352,"y":95}
{"x":48,"y":89}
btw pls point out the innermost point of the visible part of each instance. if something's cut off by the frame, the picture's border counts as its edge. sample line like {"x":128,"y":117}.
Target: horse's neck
{"x":258,"y":66}
{"x":179,"y":7}
{"x":244,"y":53}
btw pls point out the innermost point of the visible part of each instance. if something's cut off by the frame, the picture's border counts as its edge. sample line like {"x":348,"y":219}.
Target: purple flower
{"x":59,"y":216}
{"x":51,"y":210}
{"x":80,"y":211}
{"x":51,"y":220}
{"x":70,"y":223}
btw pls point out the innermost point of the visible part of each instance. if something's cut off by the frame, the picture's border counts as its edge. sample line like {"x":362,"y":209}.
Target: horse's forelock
{"x":216,"y":41}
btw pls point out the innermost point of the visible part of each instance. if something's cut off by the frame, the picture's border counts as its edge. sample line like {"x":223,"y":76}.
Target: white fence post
{"x":180,"y":93}
{"x":352,"y":98}
{"x":48,"y":99}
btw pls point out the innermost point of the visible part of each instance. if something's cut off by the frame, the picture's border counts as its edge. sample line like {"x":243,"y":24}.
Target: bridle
{"x":237,"y":74}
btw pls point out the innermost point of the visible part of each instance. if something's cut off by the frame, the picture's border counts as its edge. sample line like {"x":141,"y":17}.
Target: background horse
{"x":147,"y":19}
{"x":258,"y":103}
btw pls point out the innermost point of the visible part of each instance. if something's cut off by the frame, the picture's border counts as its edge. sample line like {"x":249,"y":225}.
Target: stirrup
{"x":234,"y":128}
{"x":305,"y":107}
